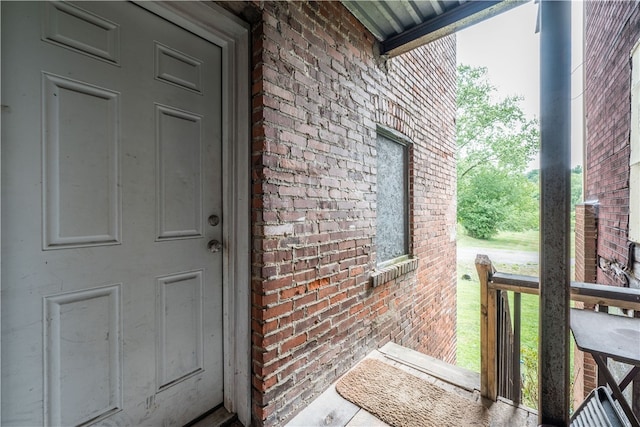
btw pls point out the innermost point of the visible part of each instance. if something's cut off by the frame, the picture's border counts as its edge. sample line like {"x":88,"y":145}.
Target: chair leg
{"x":629,"y":377}
{"x":617,"y":393}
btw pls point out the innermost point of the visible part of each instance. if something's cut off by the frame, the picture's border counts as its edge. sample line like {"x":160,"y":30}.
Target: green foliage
{"x":490,"y":131}
{"x":534,"y":176}
{"x":576,"y":183}
{"x":490,"y":200}
{"x":495,"y":143}
{"x":529,"y":377}
{"x":523,"y":209}
{"x":576,"y":188}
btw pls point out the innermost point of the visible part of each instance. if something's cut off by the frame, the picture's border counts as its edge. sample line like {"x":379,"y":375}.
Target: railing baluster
{"x":503,"y":343}
{"x":491,"y":283}
{"x":504,"y":349}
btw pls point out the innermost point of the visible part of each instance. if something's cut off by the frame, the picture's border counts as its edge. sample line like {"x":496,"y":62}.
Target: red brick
{"x":278,"y":310}
{"x":319,"y":91}
{"x":289,"y":293}
{"x":293,"y":342}
{"x":611,"y":31}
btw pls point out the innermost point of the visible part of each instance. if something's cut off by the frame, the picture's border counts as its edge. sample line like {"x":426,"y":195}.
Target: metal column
{"x":555,"y":195}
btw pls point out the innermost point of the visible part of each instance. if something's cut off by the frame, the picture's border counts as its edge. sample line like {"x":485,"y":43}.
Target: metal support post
{"x":555,"y":194}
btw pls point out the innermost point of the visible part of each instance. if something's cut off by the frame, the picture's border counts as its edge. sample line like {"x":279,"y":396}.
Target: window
{"x":392,"y":199}
{"x":634,"y":158}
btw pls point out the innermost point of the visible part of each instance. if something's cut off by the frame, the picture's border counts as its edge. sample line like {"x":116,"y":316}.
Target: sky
{"x":510,"y":49}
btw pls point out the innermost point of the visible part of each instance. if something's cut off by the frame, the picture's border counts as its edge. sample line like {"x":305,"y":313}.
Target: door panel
{"x":81,"y":198}
{"x":111,"y":145}
{"x":178,"y":144}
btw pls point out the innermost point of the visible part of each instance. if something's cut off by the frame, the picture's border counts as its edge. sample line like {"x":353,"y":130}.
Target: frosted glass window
{"x":392,"y":216}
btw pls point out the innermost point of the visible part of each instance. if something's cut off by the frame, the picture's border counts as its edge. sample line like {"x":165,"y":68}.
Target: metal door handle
{"x":214,"y":246}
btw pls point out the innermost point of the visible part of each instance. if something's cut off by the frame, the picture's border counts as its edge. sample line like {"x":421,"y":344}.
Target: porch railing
{"x":507,"y":355}
{"x":500,"y":336}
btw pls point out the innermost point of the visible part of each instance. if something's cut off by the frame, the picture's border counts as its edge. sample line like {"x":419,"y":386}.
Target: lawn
{"x":509,"y":240}
{"x":468,"y":335}
{"x":527,"y":241}
{"x":468,"y":306}
{"x":468,"y":352}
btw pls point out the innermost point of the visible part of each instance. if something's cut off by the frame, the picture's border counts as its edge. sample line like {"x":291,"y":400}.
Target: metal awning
{"x":402,"y":25}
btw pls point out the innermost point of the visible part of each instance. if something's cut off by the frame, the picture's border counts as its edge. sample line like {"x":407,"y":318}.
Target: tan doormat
{"x":404,"y":400}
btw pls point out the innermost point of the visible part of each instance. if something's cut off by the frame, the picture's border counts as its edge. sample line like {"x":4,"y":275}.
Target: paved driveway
{"x":468,"y":254}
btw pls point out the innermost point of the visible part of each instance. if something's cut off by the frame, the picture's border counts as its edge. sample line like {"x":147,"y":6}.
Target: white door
{"x":111,"y":193}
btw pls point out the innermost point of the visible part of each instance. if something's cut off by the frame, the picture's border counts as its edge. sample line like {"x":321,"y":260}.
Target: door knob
{"x":214,"y":246}
{"x":214,"y":220}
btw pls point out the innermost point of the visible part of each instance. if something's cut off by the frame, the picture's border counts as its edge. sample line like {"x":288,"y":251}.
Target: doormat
{"x":404,"y":400}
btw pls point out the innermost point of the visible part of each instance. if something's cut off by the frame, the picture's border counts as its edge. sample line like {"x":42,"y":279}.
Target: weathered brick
{"x":293,"y":342}
{"x":278,"y":310}
{"x":611,"y":31}
{"x":319,"y":92}
{"x":291,"y":292}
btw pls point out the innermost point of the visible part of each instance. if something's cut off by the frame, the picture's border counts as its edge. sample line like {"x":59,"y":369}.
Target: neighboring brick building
{"x":611,"y":31}
{"x":320,"y":89}
{"x":603,"y":251}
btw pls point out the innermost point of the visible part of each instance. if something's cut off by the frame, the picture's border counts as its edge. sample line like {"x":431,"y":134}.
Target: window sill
{"x":393,"y":271}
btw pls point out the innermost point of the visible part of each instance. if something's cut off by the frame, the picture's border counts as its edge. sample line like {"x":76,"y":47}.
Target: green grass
{"x":468,"y":312}
{"x":468,"y":306}
{"x":510,"y":240}
{"x":468,"y":332}
{"x":527,"y":241}
{"x":468,"y":351}
{"x":468,"y":296}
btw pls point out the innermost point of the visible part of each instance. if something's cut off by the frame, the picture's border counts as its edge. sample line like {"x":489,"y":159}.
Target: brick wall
{"x":586,"y":239}
{"x":611,"y":30}
{"x":319,"y":90}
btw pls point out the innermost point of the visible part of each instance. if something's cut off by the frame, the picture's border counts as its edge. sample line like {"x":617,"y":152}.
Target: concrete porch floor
{"x":331,"y":409}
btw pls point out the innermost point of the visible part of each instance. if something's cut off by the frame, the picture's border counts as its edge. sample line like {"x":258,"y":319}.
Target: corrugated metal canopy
{"x":401,"y":25}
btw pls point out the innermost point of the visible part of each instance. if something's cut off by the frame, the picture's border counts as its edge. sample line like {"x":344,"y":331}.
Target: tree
{"x":495,"y":143}
{"x":491,"y":199}
{"x":576,"y":189}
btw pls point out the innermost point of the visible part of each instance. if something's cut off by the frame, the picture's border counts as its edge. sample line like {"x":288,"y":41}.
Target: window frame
{"x":407,"y":146}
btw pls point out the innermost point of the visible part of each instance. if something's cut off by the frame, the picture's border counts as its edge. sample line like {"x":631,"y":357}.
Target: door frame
{"x":217,"y":25}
